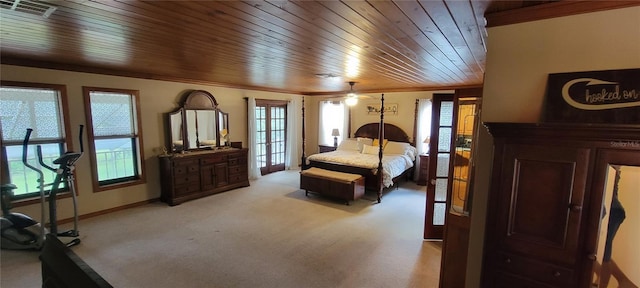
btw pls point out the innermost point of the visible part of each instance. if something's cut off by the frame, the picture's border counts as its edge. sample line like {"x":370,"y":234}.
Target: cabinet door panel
{"x":207,"y":177}
{"x":221,"y":174}
{"x":543,"y":193}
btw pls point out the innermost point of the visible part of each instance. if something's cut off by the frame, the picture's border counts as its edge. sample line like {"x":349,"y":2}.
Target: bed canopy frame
{"x":371,"y":130}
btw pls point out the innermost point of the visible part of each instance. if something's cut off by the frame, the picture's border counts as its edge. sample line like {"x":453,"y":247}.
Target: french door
{"x":271,"y":135}
{"x":466,"y":115}
{"x":439,"y":158}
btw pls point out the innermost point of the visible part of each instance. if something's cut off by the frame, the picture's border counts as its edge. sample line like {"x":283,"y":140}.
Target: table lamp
{"x":335,"y":133}
{"x":224,"y":132}
{"x":427,"y":141}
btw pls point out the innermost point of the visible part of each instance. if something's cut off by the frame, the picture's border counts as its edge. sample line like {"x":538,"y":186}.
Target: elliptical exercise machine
{"x":19,"y":231}
{"x":64,"y":173}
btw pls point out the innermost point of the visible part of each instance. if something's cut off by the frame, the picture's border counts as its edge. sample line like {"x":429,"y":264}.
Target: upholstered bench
{"x":339,"y":185}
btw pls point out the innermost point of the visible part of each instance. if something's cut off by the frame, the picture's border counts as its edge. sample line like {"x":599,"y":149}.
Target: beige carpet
{"x":267,"y":235}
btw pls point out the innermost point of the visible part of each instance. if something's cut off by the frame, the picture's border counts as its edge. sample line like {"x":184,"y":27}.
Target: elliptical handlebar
{"x":39,"y":151}
{"x":80,"y":139}
{"x":25,"y":151}
{"x":69,"y":158}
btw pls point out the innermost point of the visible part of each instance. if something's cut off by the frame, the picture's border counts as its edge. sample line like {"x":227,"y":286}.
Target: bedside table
{"x":325,"y":148}
{"x":424,"y":170}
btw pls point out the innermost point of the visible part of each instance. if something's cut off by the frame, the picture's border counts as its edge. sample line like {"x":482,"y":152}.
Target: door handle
{"x":575,"y":207}
{"x":432,"y":181}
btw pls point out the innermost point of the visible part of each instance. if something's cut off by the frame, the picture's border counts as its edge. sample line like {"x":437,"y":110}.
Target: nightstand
{"x":326,"y":148}
{"x":424,"y":170}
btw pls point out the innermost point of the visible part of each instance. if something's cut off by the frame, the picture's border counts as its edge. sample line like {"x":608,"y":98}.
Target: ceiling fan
{"x":352,"y":97}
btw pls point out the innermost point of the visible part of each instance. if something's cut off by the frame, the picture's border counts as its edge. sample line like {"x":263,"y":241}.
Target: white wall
{"x":156,"y":99}
{"x":519,"y":59}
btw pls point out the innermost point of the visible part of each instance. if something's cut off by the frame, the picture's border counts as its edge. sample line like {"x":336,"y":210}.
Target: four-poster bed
{"x":393,"y":164}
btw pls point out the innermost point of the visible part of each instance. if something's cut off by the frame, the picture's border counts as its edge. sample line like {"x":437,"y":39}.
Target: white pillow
{"x":348,"y":145}
{"x":393,"y":147}
{"x":363,"y":141}
{"x":400,"y":148}
{"x":368,"y":149}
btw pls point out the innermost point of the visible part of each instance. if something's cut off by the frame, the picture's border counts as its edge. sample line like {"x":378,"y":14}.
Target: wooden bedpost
{"x":349,"y":126}
{"x":415,"y":125}
{"x":380,"y":144}
{"x":304,"y":141}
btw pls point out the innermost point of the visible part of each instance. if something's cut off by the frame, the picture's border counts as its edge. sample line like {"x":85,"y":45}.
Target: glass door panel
{"x":261,"y":136}
{"x":467,"y":120}
{"x":278,"y":121}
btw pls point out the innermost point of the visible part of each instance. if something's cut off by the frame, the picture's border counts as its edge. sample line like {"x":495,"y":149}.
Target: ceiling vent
{"x":29,"y":7}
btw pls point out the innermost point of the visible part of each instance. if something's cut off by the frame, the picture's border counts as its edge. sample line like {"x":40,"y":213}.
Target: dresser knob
{"x":508,"y":260}
{"x":557,"y":274}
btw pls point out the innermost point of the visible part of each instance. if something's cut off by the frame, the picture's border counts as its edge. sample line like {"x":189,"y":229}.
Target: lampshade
{"x":426,"y":141}
{"x":352,"y":98}
{"x":350,"y":101}
{"x":335,"y":132}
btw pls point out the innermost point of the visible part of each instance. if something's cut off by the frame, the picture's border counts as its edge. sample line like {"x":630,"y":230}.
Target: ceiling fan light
{"x":350,"y":101}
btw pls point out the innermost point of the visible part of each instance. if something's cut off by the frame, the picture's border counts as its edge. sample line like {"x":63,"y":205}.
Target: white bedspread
{"x":392,"y":165}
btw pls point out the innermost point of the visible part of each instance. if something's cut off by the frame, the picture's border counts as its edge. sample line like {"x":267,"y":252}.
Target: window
{"x":333,"y":115}
{"x":423,"y":132}
{"x":40,"y":107}
{"x":115,"y":137}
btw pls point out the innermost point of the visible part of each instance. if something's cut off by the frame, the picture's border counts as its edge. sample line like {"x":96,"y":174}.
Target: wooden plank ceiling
{"x":306,"y":47}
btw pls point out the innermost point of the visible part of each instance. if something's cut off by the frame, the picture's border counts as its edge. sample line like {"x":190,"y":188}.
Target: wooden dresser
{"x":201,"y":173}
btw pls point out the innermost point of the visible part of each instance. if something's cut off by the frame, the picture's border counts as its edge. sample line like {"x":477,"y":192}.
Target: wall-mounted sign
{"x":603,"y":97}
{"x":389,"y":109}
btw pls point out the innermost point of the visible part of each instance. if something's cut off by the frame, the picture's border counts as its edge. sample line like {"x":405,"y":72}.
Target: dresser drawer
{"x":213,"y":159}
{"x":506,"y":280}
{"x":237,"y":178}
{"x":540,"y":271}
{"x":179,"y":170}
{"x":236,"y":155}
{"x":186,"y":178}
{"x":186,"y":189}
{"x":237,"y":169}
{"x":185,"y":162}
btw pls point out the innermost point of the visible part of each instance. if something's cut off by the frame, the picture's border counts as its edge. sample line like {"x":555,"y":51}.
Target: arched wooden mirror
{"x":198,"y":124}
